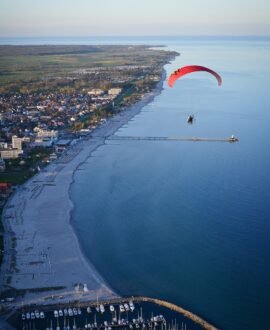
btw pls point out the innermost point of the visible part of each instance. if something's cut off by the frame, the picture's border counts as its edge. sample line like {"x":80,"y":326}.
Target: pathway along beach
{"x":43,"y":252}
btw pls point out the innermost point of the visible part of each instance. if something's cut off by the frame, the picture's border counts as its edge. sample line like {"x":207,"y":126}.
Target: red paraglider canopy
{"x":189,"y":69}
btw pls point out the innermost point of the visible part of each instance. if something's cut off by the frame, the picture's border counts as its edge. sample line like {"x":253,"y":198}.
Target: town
{"x":37,"y":126}
{"x":51,"y":97}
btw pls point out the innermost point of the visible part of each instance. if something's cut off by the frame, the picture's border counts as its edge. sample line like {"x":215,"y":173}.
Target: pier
{"x":231,"y":139}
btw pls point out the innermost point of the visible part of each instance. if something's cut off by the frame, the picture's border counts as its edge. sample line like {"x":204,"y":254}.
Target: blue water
{"x":183,"y":221}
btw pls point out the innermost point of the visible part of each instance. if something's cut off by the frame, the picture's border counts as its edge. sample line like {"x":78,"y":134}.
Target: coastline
{"x":44,"y":250}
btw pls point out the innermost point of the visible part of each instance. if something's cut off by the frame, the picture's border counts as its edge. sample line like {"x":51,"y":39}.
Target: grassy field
{"x":30,"y":63}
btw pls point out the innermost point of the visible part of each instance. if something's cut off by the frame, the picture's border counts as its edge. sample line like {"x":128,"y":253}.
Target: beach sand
{"x":47,"y":252}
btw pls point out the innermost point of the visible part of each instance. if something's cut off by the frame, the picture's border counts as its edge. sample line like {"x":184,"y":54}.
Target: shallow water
{"x":189,"y":221}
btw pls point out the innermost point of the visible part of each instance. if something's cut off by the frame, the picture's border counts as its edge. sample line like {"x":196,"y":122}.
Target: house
{"x":62,"y":145}
{"x":114,"y":91}
{"x":10,"y":153}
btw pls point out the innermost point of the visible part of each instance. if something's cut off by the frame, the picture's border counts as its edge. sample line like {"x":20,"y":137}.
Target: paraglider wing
{"x":189,"y":69}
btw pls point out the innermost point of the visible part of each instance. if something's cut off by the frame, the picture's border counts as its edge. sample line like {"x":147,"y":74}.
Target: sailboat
{"x":97,"y":307}
{"x":57,"y":327}
{"x":74,"y":324}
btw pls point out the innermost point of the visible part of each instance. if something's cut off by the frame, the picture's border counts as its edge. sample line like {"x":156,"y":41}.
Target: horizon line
{"x":142,"y":36}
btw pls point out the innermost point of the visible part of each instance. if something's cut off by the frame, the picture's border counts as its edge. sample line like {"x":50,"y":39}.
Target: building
{"x":96,"y":92}
{"x":45,"y":143}
{"x":62,"y":145}
{"x":114,"y":91}
{"x":43,"y":133}
{"x":10,"y":153}
{"x":17,"y":142}
{"x":3,"y":145}
{"x":5,"y":190}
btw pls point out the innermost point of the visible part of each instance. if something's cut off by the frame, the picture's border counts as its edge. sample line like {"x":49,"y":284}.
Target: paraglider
{"x":189,"y":69}
{"x":190,"y":119}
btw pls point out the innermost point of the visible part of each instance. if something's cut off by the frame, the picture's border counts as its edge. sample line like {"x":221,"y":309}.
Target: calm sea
{"x":188,"y":221}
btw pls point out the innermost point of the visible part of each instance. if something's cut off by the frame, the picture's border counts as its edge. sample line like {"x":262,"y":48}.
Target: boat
{"x":233,"y":139}
{"x":97,"y":307}
{"x":112,"y":308}
{"x":121,"y":308}
{"x":102,"y":308}
{"x":55,"y":313}
{"x":64,"y":327}
{"x":57,"y":326}
{"x":65,"y":312}
{"x":79,"y":311}
{"x":126,"y":306}
{"x":131,"y":305}
{"x":23,"y":316}
{"x":60,"y":313}
{"x":88,"y":309}
{"x":28,"y":316}
{"x":74,"y":324}
{"x":70,"y":312}
{"x":85,"y":289}
{"x":114,"y":319}
{"x":37,"y":314}
{"x":32,"y":316}
{"x":75,"y":311}
{"x":42,"y":315}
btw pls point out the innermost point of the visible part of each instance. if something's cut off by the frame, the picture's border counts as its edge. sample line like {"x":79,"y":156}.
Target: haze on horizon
{"x":30,"y":18}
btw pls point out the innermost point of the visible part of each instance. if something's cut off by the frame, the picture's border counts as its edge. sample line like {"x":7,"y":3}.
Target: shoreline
{"x":43,"y":248}
{"x":128,"y":114}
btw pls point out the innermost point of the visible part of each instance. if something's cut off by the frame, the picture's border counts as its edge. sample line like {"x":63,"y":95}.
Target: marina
{"x":122,"y":313}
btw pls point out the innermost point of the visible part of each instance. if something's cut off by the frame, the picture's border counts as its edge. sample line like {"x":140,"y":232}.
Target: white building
{"x":114,"y":91}
{"x":17,"y":142}
{"x":43,"y":133}
{"x":10,"y":153}
{"x":3,"y":145}
{"x":96,"y":92}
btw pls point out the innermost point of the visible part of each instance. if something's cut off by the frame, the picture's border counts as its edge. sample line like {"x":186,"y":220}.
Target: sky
{"x":133,"y":17}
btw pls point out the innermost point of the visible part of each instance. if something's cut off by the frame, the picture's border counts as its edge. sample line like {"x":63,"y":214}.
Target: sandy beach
{"x":44,"y":252}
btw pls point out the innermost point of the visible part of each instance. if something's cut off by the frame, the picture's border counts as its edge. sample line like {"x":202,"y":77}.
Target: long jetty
{"x":195,"y":318}
{"x":232,"y":139}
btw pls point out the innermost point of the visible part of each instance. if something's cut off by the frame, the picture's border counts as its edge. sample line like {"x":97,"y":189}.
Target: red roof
{"x":4,"y":184}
